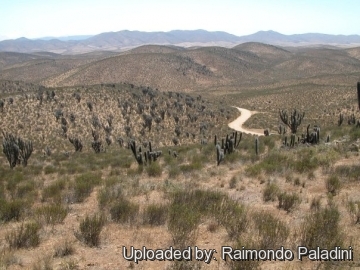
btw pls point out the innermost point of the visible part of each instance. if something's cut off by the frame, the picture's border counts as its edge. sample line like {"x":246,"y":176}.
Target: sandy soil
{"x":237,"y":124}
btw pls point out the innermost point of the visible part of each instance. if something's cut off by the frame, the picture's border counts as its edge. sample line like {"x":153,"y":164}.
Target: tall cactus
{"x":358,"y":94}
{"x":294,"y":121}
{"x":257,"y":146}
{"x":292,"y":140}
{"x":16,"y":150}
{"x":219,"y":154}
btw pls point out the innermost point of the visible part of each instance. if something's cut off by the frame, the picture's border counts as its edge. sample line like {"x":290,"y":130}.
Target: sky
{"x":58,"y":18}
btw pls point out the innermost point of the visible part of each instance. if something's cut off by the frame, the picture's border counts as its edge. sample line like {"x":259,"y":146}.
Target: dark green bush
{"x":90,"y":229}
{"x":27,"y":235}
{"x":84,"y":184}
{"x":11,"y":210}
{"x":54,"y":190}
{"x":234,"y":217}
{"x":51,"y":214}
{"x":272,"y":231}
{"x":333,"y":185}
{"x":124,"y":211}
{"x":154,"y":169}
{"x":155,"y":214}
{"x":322,"y":229}
{"x":288,"y":201}
{"x":271,"y":192}
{"x":182,"y":224}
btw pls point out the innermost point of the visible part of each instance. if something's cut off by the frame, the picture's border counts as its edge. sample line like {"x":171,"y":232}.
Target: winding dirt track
{"x":238,"y":122}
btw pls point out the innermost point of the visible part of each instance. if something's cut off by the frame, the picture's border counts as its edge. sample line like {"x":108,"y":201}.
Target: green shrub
{"x":322,"y":229}
{"x":49,"y":169}
{"x":272,"y":231}
{"x":271,"y":192}
{"x":333,"y":185}
{"x":90,"y":229}
{"x":51,"y":214}
{"x":154,"y":169}
{"x":155,"y":215}
{"x":84,"y":185}
{"x":182,"y":224}
{"x":288,"y":201}
{"x":11,"y":210}
{"x":124,"y":211}
{"x":249,"y":243}
{"x":54,"y":190}
{"x":351,"y":173}
{"x":234,"y":217}
{"x":45,"y":263}
{"x":27,"y":235}
{"x":174,"y":171}
{"x":64,"y":249}
{"x":107,"y":195}
{"x":13,"y":181}
{"x":233,"y":182}
{"x":26,"y":189}
{"x":315,"y":204}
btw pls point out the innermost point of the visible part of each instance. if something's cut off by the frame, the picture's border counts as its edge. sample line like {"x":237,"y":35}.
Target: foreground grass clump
{"x":51,"y":214}
{"x":154,"y":169}
{"x":197,"y":204}
{"x":322,"y":228}
{"x":63,"y":249}
{"x":349,"y":172}
{"x":11,"y":210}
{"x":90,"y":229}
{"x":26,"y":236}
{"x":301,"y":160}
{"x":271,"y":192}
{"x":288,"y":201}
{"x":272,"y":231}
{"x":124,"y":211}
{"x":53,"y":191}
{"x":182,"y":224}
{"x":234,"y":217}
{"x":333,"y":185}
{"x":84,"y":184}
{"x":155,"y":214}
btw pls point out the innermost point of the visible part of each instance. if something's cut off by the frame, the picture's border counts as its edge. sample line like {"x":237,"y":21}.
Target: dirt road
{"x":238,"y":122}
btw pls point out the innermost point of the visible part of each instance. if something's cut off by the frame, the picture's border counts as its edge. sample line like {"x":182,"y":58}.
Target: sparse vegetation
{"x":25,"y":236}
{"x":90,"y":229}
{"x":91,"y":147}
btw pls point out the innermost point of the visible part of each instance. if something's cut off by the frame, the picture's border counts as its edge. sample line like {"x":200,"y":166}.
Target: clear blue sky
{"x":40,"y":18}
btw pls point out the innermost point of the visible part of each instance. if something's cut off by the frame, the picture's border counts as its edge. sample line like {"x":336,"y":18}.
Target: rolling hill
{"x":124,"y":40}
{"x":172,"y":68}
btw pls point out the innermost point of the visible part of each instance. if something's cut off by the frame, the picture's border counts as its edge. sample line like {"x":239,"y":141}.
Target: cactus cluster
{"x":16,"y":150}
{"x":293,"y":121}
{"x":227,"y":146}
{"x":144,"y":157}
{"x":281,"y":130}
{"x":76,"y":142}
{"x":311,"y":137}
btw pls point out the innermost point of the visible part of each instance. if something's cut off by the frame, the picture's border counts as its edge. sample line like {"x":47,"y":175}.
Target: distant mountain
{"x":67,"y":38}
{"x":122,"y":40}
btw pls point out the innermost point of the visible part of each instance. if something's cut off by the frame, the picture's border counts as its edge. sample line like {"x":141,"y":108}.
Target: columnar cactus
{"x":257,"y":146}
{"x":294,"y":121}
{"x":358,"y":94}
{"x":219,"y":154}
{"x":292,"y":140}
{"x":76,"y":142}
{"x":16,"y":150}
{"x":341,"y":119}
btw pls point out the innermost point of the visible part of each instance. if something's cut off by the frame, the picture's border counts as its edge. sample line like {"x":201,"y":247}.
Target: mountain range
{"x":124,"y":40}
